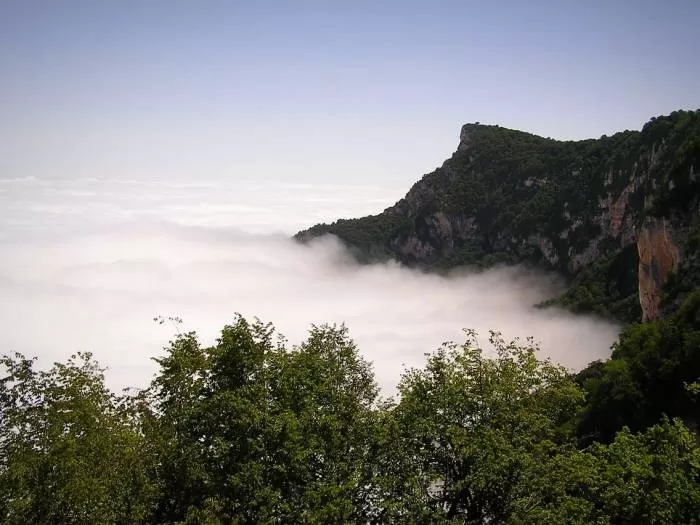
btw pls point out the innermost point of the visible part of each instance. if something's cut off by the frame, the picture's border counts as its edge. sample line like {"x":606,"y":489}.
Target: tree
{"x":469,"y":429}
{"x":645,"y":478}
{"x":325,"y":394}
{"x":646,"y":377}
{"x":69,"y":452}
{"x":651,"y":477}
{"x":210,"y":421}
{"x":250,"y":432}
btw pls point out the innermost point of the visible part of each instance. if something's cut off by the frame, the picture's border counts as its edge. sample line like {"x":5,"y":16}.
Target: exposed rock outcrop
{"x":658,"y":257}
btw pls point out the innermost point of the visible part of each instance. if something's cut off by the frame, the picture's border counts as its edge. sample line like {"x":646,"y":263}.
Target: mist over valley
{"x":86,"y":265}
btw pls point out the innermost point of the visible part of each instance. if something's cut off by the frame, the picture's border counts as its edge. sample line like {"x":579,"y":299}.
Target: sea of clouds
{"x":88,"y":264}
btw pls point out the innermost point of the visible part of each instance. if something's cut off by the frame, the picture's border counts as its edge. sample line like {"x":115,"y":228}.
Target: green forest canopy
{"x":251,"y":431}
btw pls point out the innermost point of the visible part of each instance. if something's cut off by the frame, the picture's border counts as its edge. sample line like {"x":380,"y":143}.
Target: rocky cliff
{"x":658,"y":257}
{"x":616,"y":216}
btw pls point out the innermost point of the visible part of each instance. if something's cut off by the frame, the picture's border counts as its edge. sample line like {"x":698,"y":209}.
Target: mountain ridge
{"x":617,"y":216}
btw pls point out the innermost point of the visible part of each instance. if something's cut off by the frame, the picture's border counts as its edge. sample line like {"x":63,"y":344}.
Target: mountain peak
{"x":465,"y":136}
{"x":583,"y":208}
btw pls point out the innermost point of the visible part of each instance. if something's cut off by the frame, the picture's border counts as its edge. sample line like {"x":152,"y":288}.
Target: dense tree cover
{"x":649,"y":374}
{"x":70,"y":451}
{"x":251,"y":431}
{"x":608,"y":288}
{"x":361,"y":235}
{"x":514,"y":189}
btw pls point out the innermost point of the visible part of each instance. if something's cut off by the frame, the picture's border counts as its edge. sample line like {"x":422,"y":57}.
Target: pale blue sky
{"x":332,"y":91}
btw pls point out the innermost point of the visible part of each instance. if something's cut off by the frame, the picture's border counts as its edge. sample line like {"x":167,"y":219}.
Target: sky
{"x":322,"y":92}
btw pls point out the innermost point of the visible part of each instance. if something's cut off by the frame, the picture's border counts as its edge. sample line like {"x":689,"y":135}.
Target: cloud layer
{"x":99,"y":288}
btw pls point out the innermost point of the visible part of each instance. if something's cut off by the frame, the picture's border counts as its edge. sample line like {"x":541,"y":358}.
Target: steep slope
{"x":616,"y":215}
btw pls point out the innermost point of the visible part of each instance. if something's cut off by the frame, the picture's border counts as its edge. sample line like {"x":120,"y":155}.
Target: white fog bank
{"x":98,"y":288}
{"x":100,"y":292}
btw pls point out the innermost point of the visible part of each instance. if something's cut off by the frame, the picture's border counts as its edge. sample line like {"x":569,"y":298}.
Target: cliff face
{"x":614,"y":214}
{"x":658,"y":256}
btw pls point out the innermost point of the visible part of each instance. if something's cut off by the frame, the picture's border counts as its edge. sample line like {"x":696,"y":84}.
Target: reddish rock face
{"x":658,"y":256}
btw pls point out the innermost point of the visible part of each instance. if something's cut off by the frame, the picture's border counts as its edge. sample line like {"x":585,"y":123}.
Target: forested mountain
{"x":617,"y":215}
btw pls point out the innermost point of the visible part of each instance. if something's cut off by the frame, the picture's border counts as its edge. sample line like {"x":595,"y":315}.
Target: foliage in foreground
{"x":250,"y":431}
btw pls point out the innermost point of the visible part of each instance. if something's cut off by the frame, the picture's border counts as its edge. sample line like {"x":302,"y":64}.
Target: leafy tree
{"x":69,"y":449}
{"x":646,"y":377}
{"x":653,"y":477}
{"x":251,"y":432}
{"x":210,"y":422}
{"x":469,"y":429}
{"x":646,"y":478}
{"x":326,"y":395}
